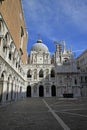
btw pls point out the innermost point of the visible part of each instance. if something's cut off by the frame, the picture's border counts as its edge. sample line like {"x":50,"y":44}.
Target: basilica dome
{"x":39,"y":47}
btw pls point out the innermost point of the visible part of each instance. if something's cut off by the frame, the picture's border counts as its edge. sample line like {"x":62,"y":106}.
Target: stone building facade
{"x":82,"y":67}
{"x":48,"y":75}
{"x":12,"y":14}
{"x":13,"y":37}
{"x":41,"y":74}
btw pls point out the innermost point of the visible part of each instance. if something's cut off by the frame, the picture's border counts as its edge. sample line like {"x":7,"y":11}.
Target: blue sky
{"x":57,"y":20}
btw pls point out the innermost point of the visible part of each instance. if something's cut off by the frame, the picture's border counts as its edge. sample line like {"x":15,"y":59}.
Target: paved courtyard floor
{"x":44,"y":114}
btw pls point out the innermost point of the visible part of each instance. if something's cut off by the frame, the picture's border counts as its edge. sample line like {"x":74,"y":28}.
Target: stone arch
{"x":53,"y":90}
{"x":2,"y":76}
{"x":29,"y":91}
{"x":4,"y":73}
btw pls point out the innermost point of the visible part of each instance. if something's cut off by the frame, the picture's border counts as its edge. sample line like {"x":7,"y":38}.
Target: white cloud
{"x":47,"y":16}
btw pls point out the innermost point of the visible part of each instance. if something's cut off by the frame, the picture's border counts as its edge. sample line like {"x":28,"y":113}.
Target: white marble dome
{"x":39,"y":47}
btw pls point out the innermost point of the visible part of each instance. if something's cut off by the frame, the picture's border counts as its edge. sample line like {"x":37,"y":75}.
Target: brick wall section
{"x":11,"y":11}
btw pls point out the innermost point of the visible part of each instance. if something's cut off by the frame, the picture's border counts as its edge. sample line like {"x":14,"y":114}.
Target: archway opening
{"x":53,"y":90}
{"x":41,"y":91}
{"x":28,"y":91}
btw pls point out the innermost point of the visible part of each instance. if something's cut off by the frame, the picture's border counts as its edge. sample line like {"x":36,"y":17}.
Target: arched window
{"x":10,"y":55}
{"x":7,"y":38}
{"x":52,"y":73}
{"x":2,"y":76}
{"x":1,"y":26}
{"x":41,"y":73}
{"x":4,"y":46}
{"x":29,"y":74}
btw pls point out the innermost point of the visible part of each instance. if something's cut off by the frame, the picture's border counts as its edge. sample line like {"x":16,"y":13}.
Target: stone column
{"x":44,"y":87}
{"x":32,"y":91}
{"x":13,"y":95}
{"x":4,"y":91}
{"x":9,"y":91}
{"x":38,"y":91}
{"x":37,"y":75}
{"x":1,"y":90}
{"x":16,"y":92}
{"x":50,"y":91}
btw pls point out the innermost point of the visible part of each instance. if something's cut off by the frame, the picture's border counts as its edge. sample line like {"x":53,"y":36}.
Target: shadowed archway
{"x":53,"y":90}
{"x":41,"y":91}
{"x":28,"y":91}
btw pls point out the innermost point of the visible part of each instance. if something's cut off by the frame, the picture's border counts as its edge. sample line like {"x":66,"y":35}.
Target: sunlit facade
{"x":13,"y":39}
{"x":52,"y":75}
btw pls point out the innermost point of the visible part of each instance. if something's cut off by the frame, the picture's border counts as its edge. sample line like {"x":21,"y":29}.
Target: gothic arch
{"x":4,"y":73}
{"x":41,"y":73}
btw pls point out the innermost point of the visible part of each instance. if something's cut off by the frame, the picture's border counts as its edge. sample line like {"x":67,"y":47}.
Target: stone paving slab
{"x":72,"y":112}
{"x":74,"y":122}
{"x":32,"y":114}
